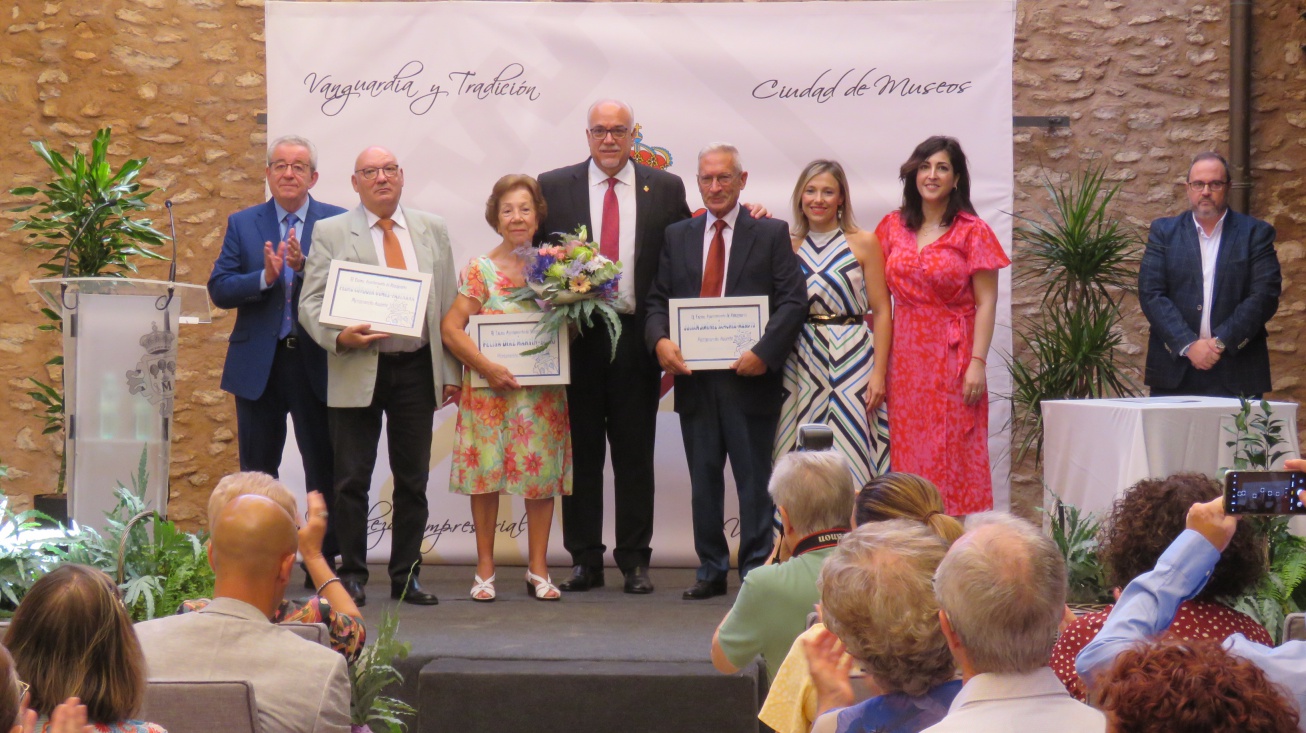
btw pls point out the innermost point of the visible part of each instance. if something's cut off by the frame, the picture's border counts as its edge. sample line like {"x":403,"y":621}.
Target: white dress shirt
{"x":1018,"y":703}
{"x":1210,"y":246}
{"x":625,"y":191}
{"x":395,"y":343}
{"x":727,"y":235}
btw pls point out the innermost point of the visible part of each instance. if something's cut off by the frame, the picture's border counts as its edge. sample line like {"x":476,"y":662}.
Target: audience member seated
{"x":877,"y":597}
{"x":813,"y":492}
{"x":1142,"y":524}
{"x":1001,"y":592}
{"x":332,"y":604}
{"x":1149,"y":603}
{"x":72,"y":637}
{"x":299,"y":686}
{"x":1192,"y":687}
{"x":793,"y":704}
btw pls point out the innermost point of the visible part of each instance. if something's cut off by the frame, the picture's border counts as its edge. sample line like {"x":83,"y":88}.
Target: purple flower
{"x":535,"y":273}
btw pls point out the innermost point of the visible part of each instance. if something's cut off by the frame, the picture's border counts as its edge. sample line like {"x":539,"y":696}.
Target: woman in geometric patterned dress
{"x":509,"y":438}
{"x":837,"y":372}
{"x":941,"y":265}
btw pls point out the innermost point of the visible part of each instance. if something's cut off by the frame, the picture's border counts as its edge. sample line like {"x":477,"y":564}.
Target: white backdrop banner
{"x":465,"y":92}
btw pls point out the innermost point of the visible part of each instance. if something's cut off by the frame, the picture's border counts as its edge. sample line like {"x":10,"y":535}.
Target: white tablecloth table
{"x":1095,"y":449}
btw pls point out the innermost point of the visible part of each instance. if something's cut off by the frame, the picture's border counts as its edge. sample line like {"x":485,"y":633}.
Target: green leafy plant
{"x":84,"y":215}
{"x":372,"y":673}
{"x":1075,"y":534}
{"x":156,"y":565}
{"x":1256,"y":436}
{"x":27,"y":552}
{"x":1084,"y":260}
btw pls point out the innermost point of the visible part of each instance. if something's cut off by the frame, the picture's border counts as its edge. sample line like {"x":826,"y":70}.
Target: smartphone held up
{"x":1264,"y":492}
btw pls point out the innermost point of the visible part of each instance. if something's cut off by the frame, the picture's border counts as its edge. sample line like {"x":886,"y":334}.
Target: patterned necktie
{"x":609,"y":245}
{"x":288,"y":281}
{"x":394,"y":255}
{"x":715,"y":269}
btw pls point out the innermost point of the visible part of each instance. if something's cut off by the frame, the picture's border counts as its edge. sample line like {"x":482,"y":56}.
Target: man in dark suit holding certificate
{"x":626,"y":207}
{"x":732,"y":412}
{"x":1208,"y":284}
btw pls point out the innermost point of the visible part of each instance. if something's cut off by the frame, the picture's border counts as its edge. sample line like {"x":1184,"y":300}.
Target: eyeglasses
{"x":1215,"y":186}
{"x":617,"y":133}
{"x":369,"y":174}
{"x":725,"y":179}
{"x":299,"y":169}
{"x":23,"y":687}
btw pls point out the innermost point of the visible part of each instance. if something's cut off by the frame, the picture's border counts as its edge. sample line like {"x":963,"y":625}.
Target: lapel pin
{"x":646,"y":189}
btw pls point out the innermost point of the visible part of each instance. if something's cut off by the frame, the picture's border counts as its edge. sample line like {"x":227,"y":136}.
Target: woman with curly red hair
{"x":1197,"y":687}
{"x":1141,"y":526}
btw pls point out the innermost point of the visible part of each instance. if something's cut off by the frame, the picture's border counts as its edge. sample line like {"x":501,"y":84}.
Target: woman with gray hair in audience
{"x":796,"y":699}
{"x":877,"y":597}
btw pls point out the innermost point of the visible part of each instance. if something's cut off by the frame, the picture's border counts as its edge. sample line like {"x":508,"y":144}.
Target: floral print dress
{"x":517,"y":442}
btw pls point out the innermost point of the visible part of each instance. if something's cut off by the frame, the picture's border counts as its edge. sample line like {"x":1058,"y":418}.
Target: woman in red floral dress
{"x":941,"y":263}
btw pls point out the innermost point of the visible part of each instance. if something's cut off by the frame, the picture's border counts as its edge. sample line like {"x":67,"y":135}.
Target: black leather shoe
{"x":411,"y":592}
{"x":582,"y":579}
{"x":704,"y":589}
{"x":637,"y":581}
{"x":355,"y":591}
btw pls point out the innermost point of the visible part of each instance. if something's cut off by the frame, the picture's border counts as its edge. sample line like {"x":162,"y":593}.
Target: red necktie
{"x":609,"y":245}
{"x":715,"y":270}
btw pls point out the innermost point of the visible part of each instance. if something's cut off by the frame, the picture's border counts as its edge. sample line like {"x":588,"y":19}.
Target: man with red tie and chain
{"x":627,"y":207}
{"x":733,"y":412}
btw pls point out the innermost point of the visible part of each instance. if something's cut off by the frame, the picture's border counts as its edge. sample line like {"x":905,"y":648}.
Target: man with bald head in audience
{"x":1002,"y":592}
{"x":299,"y":686}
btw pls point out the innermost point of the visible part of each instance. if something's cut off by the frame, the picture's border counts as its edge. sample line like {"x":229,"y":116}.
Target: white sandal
{"x":483,"y":590}
{"x":542,"y":588}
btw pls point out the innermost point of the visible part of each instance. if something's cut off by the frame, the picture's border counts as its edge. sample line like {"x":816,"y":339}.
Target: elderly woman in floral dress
{"x":509,"y":438}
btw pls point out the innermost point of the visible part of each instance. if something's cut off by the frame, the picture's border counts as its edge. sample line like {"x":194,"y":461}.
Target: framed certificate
{"x":393,"y":301}
{"x":713,"y":332}
{"x":503,"y":337}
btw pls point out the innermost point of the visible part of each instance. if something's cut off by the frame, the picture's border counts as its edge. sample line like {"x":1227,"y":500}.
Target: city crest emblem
{"x":155,"y":373}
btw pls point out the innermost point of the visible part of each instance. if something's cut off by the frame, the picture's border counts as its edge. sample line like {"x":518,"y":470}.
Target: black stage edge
{"x":600,"y":661}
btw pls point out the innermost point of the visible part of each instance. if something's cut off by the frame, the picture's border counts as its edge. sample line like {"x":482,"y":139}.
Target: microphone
{"x":163,"y":303}
{"x":172,"y":223}
{"x":68,"y":254}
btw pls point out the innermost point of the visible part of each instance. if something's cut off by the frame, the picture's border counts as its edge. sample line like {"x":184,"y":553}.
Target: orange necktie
{"x":715,"y":269}
{"x":394,"y":254}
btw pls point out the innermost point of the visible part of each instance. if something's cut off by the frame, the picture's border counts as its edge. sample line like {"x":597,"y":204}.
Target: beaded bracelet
{"x":322,"y":587}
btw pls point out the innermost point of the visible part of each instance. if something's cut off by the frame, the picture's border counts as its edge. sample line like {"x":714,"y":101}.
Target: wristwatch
{"x":1219,"y":345}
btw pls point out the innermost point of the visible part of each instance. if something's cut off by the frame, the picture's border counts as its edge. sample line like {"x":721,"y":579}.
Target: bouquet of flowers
{"x":572,"y":283}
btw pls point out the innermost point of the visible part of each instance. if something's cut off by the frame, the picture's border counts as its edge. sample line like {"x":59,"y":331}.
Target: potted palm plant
{"x":1084,"y":260}
{"x":83,"y":218}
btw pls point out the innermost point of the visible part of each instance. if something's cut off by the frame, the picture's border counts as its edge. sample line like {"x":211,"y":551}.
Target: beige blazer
{"x":351,"y":373}
{"x":299,"y":686}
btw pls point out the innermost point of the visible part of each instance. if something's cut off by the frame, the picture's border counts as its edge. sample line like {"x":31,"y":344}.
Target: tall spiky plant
{"x":84,"y":217}
{"x":1084,"y":260}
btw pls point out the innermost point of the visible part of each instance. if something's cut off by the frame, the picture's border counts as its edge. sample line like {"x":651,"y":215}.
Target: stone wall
{"x":182,"y":81}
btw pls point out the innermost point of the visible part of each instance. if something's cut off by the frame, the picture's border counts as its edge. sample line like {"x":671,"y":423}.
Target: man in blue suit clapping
{"x":271,"y":368}
{"x":1208,"y":284}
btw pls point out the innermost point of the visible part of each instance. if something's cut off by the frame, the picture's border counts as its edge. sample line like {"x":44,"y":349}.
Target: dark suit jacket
{"x":762,"y":262}
{"x":235,"y":283}
{"x":1245,"y":297}
{"x":659,"y":203}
